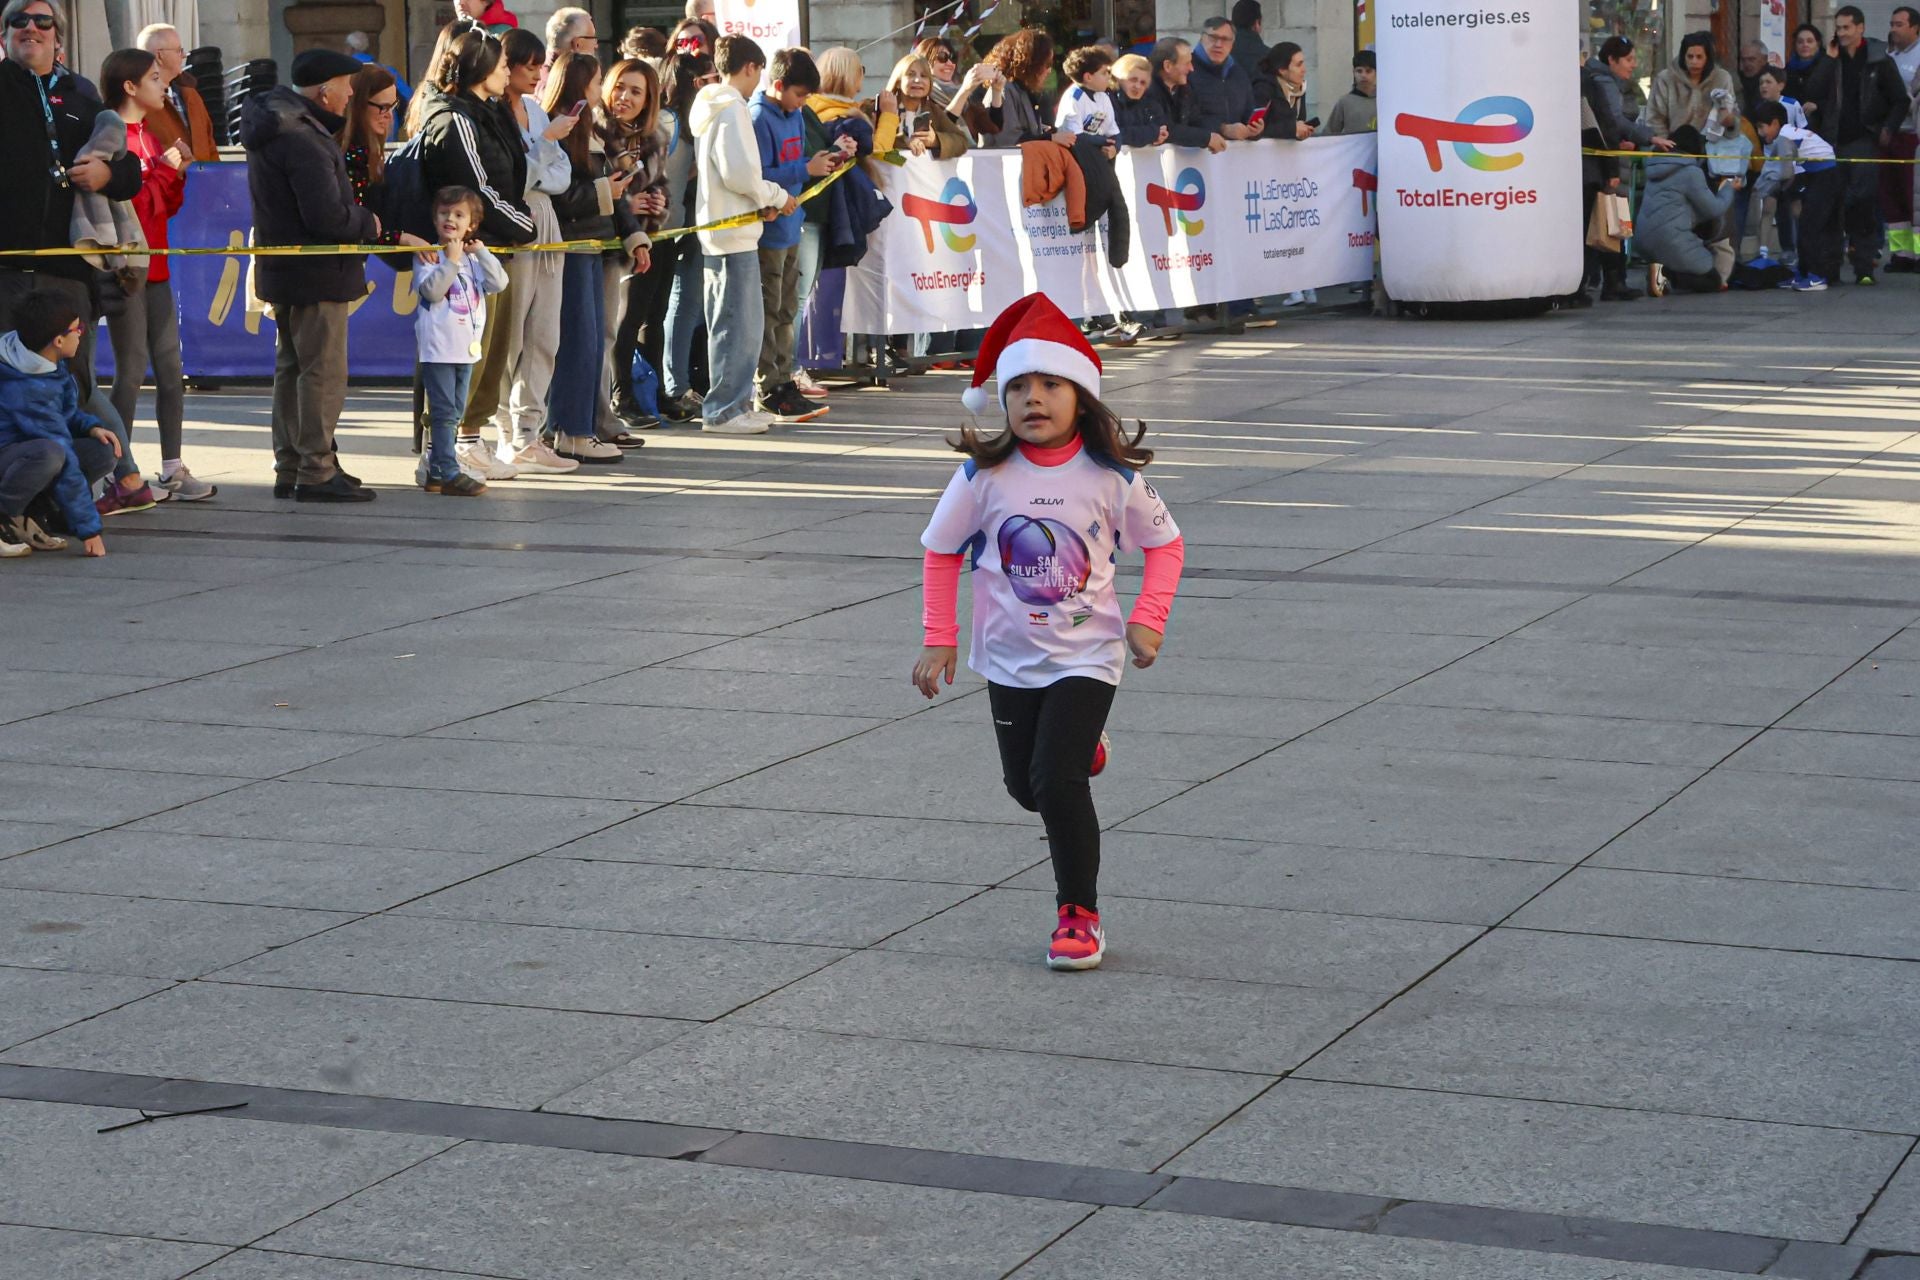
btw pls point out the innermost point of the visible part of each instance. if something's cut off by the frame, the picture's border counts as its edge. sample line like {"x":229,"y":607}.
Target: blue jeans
{"x":574,"y":395}
{"x":446,"y":386}
{"x":736,"y":324}
{"x":684,"y":318}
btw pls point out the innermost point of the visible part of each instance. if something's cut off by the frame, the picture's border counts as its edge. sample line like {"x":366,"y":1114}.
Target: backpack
{"x":1761,"y":273}
{"x":404,"y":202}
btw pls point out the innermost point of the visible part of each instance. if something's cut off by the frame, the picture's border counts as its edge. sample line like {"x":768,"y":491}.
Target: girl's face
{"x":1806,"y":44}
{"x":916,"y":82}
{"x":1296,"y":72}
{"x":454,"y":222}
{"x":945,"y":68}
{"x":629,"y":97}
{"x":496,"y":82}
{"x":1042,"y":409}
{"x":523,"y":80}
{"x":149,"y":92}
{"x":1135,"y":85}
{"x":1695,"y":61}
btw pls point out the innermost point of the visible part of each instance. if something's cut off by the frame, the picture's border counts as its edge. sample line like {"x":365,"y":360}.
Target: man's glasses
{"x":21,"y":21}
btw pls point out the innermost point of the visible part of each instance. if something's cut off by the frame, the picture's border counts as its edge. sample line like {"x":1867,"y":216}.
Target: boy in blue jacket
{"x":49,"y":449}
{"x":780,"y":129}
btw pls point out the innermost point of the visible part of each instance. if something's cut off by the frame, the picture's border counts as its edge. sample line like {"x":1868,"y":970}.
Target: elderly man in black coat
{"x":297,"y":177}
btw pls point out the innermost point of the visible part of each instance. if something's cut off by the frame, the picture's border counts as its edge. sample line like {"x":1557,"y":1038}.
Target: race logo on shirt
{"x":1045,"y":561}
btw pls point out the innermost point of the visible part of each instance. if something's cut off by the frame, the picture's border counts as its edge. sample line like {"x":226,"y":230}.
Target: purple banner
{"x":219,"y":338}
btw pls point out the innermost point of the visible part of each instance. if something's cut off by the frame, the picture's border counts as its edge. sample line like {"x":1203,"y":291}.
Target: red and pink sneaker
{"x":1079,"y":942}
{"x":1099,"y":756}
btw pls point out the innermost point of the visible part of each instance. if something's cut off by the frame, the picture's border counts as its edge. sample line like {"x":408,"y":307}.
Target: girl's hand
{"x":175,"y":157}
{"x":642,"y":259}
{"x":1143,"y":642}
{"x":887,"y":103}
{"x":619,"y":181}
{"x":937,"y":660}
{"x":559,"y":127}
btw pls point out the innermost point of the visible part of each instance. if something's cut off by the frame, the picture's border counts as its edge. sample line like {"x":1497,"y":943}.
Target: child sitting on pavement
{"x":51,"y":452}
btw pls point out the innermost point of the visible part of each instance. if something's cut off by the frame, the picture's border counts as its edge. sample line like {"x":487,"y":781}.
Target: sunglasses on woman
{"x":21,"y":21}
{"x":940,"y":57}
{"x":689,"y":44}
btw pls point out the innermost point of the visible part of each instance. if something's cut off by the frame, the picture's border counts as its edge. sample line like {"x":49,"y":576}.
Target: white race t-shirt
{"x":1083,"y":111}
{"x":1044,"y":541}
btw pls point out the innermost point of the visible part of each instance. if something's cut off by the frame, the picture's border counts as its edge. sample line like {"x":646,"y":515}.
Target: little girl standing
{"x":1045,"y":507}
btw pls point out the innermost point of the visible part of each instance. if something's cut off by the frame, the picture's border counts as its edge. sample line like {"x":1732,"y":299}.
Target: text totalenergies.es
{"x":1187,"y":194}
{"x":954,"y":208}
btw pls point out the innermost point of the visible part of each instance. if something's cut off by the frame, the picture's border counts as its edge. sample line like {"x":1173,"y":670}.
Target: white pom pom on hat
{"x":1031,"y":336}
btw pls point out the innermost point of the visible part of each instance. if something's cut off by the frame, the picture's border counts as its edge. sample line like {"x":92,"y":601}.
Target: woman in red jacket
{"x":147,"y":330}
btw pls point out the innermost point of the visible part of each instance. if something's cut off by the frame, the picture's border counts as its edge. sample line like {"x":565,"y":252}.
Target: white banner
{"x":1258,"y":219}
{"x":772,"y":24}
{"x":1773,"y":30}
{"x":1479,"y":149}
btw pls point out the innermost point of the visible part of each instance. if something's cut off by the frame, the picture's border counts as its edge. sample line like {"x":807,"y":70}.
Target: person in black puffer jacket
{"x":297,"y":177}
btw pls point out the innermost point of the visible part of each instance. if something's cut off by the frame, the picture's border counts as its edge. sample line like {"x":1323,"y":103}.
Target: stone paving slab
{"x":1835,"y":755}
{"x":825,"y":911}
{"x":1766,"y":826}
{"x":1894,"y":1220}
{"x":76,"y":1255}
{"x":36,"y":1001}
{"x":1875,"y":696}
{"x":1635,"y":1166}
{"x":592,"y":970}
{"x":1298,"y":877}
{"x":1733,"y":912}
{"x":1186,"y":1022}
{"x":1536,"y":734}
{"x":259,"y":1264}
{"x":103,"y":933}
{"x":828,"y":844}
{"x":81,"y":740}
{"x":383,"y":817}
{"x":1422,"y":801}
{"x":24,"y":837}
{"x":1029,"y":1106}
{"x":1131,"y":1244}
{"x":1181,"y":939}
{"x":194,"y":1179}
{"x":468,"y":1211}
{"x":434,"y":1050}
{"x":260,"y":873}
{"x":72,"y":795}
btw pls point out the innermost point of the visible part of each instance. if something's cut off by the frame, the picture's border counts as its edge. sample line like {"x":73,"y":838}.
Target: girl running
{"x":1045,"y":507}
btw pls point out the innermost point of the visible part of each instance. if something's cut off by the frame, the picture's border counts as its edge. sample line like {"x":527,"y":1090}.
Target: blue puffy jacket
{"x":46,"y":406}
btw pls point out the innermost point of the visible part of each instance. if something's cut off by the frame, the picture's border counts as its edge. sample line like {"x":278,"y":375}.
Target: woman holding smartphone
{"x":636,"y":141}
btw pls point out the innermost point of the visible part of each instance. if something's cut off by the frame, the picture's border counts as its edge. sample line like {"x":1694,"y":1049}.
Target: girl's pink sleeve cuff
{"x":940,"y":584}
{"x":1159,"y":580}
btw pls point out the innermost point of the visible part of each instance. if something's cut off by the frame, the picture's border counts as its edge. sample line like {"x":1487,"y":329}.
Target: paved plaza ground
{"x":1511,"y":868}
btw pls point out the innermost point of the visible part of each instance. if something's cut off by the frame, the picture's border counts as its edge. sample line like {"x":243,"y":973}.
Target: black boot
{"x":1614,"y":288}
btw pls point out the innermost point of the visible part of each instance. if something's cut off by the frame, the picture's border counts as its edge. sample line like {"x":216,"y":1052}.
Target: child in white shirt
{"x":1088,"y":106}
{"x":452,"y":285}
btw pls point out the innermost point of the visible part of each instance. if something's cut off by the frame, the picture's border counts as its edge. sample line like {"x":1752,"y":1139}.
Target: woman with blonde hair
{"x":908,"y":118}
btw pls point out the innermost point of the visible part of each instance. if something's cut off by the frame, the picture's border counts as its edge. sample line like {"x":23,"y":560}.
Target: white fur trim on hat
{"x":1039,"y":355}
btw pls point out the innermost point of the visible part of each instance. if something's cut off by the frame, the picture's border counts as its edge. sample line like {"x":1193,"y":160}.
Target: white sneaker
{"x":10,"y":550}
{"x":586,"y":449}
{"x":479,"y":462}
{"x":537,"y":459}
{"x":750,"y":423}
{"x":807,"y":386}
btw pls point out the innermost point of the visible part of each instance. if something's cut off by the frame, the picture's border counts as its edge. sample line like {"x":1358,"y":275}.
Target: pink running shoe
{"x":1100,"y":756}
{"x":1079,"y":942}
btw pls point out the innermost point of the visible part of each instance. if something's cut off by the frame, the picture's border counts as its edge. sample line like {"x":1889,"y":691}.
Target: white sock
{"x":168,"y":466}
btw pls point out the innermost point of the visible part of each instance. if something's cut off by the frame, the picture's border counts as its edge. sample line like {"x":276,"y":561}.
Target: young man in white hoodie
{"x":730,"y":185}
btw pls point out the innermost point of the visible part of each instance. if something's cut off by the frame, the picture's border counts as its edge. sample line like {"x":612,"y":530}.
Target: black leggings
{"x":1047,"y":738}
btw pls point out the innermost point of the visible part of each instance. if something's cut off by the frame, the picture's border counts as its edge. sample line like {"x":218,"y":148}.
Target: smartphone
{"x":577,"y":108}
{"x":1259,"y":118}
{"x":1314,"y":123}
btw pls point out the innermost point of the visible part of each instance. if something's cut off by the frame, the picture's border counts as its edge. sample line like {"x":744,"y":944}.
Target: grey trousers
{"x":780,"y":305}
{"x":148,"y":332}
{"x":532,"y":317}
{"x":309,"y":389}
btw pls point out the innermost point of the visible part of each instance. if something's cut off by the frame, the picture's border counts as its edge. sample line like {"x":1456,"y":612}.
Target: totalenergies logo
{"x":954,"y":208}
{"x":1185,"y":196}
{"x":1468,"y":135}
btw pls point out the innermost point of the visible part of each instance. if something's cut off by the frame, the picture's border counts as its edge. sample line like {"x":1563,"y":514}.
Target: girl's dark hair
{"x":1280,"y":57}
{"x":470,"y":58}
{"x":622,"y":139}
{"x":357,"y":132}
{"x":41,"y":316}
{"x":680,"y":84}
{"x":121,"y":66}
{"x":567,"y":81}
{"x":709,"y":32}
{"x":1100,"y":431}
{"x":1820,"y":41}
{"x":1697,"y":40}
{"x":521,"y":47}
{"x":644,"y":42}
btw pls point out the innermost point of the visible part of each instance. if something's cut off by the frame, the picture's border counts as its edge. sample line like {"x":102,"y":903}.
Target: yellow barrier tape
{"x":295,"y":250}
{"x":1755,"y":158}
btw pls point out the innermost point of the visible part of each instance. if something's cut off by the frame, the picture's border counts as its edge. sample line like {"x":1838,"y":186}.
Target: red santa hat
{"x":1032,"y":336}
